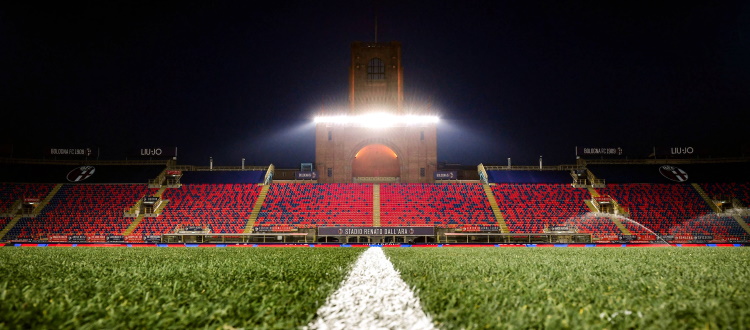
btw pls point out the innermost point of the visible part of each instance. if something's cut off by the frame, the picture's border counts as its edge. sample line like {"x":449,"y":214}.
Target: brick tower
{"x":388,"y":145}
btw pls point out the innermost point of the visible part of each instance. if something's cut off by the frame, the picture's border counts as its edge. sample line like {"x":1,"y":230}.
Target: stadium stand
{"x":443,"y":205}
{"x":224,"y":208}
{"x":659,"y":206}
{"x":599,"y":225}
{"x":11,"y":192}
{"x":529,"y":201}
{"x":739,"y":190}
{"x":306,"y":205}
{"x":671,"y":206}
{"x":719,"y":226}
{"x":79,"y":209}
{"x":530,"y":208}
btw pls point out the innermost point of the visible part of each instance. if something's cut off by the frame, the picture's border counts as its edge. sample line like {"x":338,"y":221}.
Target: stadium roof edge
{"x":165,"y":162}
{"x":663,"y":161}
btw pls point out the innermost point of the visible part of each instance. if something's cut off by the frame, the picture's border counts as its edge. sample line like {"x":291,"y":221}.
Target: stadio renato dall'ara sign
{"x":376,"y":231}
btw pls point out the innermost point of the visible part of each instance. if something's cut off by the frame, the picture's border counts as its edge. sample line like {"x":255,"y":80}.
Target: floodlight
{"x":377,"y":120}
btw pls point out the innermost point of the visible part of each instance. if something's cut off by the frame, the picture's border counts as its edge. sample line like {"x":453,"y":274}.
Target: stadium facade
{"x":379,"y":147}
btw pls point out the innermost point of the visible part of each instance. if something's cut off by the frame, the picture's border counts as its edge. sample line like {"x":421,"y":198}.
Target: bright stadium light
{"x":377,"y":120}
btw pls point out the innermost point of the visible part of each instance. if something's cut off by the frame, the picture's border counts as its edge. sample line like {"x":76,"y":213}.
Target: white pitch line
{"x":373,"y":296}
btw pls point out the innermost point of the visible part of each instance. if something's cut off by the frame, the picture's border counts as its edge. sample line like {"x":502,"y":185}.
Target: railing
{"x":376,"y":179}
{"x":533,"y":168}
{"x":171,"y":182}
{"x":268,"y":178}
{"x":616,"y":207}
{"x":182,"y":168}
{"x":134,"y":210}
{"x":229,"y":168}
{"x":578,"y":181}
{"x":594,"y":181}
{"x":482,"y":174}
{"x":159,"y":178}
{"x":596,"y":205}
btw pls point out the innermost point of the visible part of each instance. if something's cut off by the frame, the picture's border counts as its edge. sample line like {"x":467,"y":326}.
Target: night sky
{"x":232,"y":79}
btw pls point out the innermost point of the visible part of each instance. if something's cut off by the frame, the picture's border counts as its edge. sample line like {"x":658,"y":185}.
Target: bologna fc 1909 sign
{"x":673,"y":173}
{"x":79,"y":174}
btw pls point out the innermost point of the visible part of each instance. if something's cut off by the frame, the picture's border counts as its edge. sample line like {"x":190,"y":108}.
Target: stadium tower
{"x":378,"y":139}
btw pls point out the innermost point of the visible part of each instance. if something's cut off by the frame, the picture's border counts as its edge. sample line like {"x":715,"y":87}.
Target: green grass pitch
{"x":157,"y":288}
{"x":596,"y":288}
{"x":461,"y":288}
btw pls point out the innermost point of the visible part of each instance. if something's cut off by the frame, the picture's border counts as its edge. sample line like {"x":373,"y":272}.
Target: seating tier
{"x":530,"y":208}
{"x":308,"y":205}
{"x":95,"y":209}
{"x":225,"y":208}
{"x":600,"y":226}
{"x":657,"y":206}
{"x":739,"y":190}
{"x":443,"y":205}
{"x":719,"y":226}
{"x":10,"y":192}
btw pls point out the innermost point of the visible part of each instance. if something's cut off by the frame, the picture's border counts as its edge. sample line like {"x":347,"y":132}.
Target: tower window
{"x":375,"y":69}
{"x":330,"y":172}
{"x":421,"y":135}
{"x":421,"y":172}
{"x":330,"y":135}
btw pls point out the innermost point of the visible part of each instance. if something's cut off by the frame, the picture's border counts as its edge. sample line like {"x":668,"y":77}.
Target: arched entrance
{"x":376,"y":161}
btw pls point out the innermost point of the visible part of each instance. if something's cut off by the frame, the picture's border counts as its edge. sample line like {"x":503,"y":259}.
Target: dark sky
{"x":513,"y":79}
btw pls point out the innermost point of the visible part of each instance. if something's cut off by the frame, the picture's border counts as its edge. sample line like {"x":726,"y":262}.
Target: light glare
{"x":378,"y":120}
